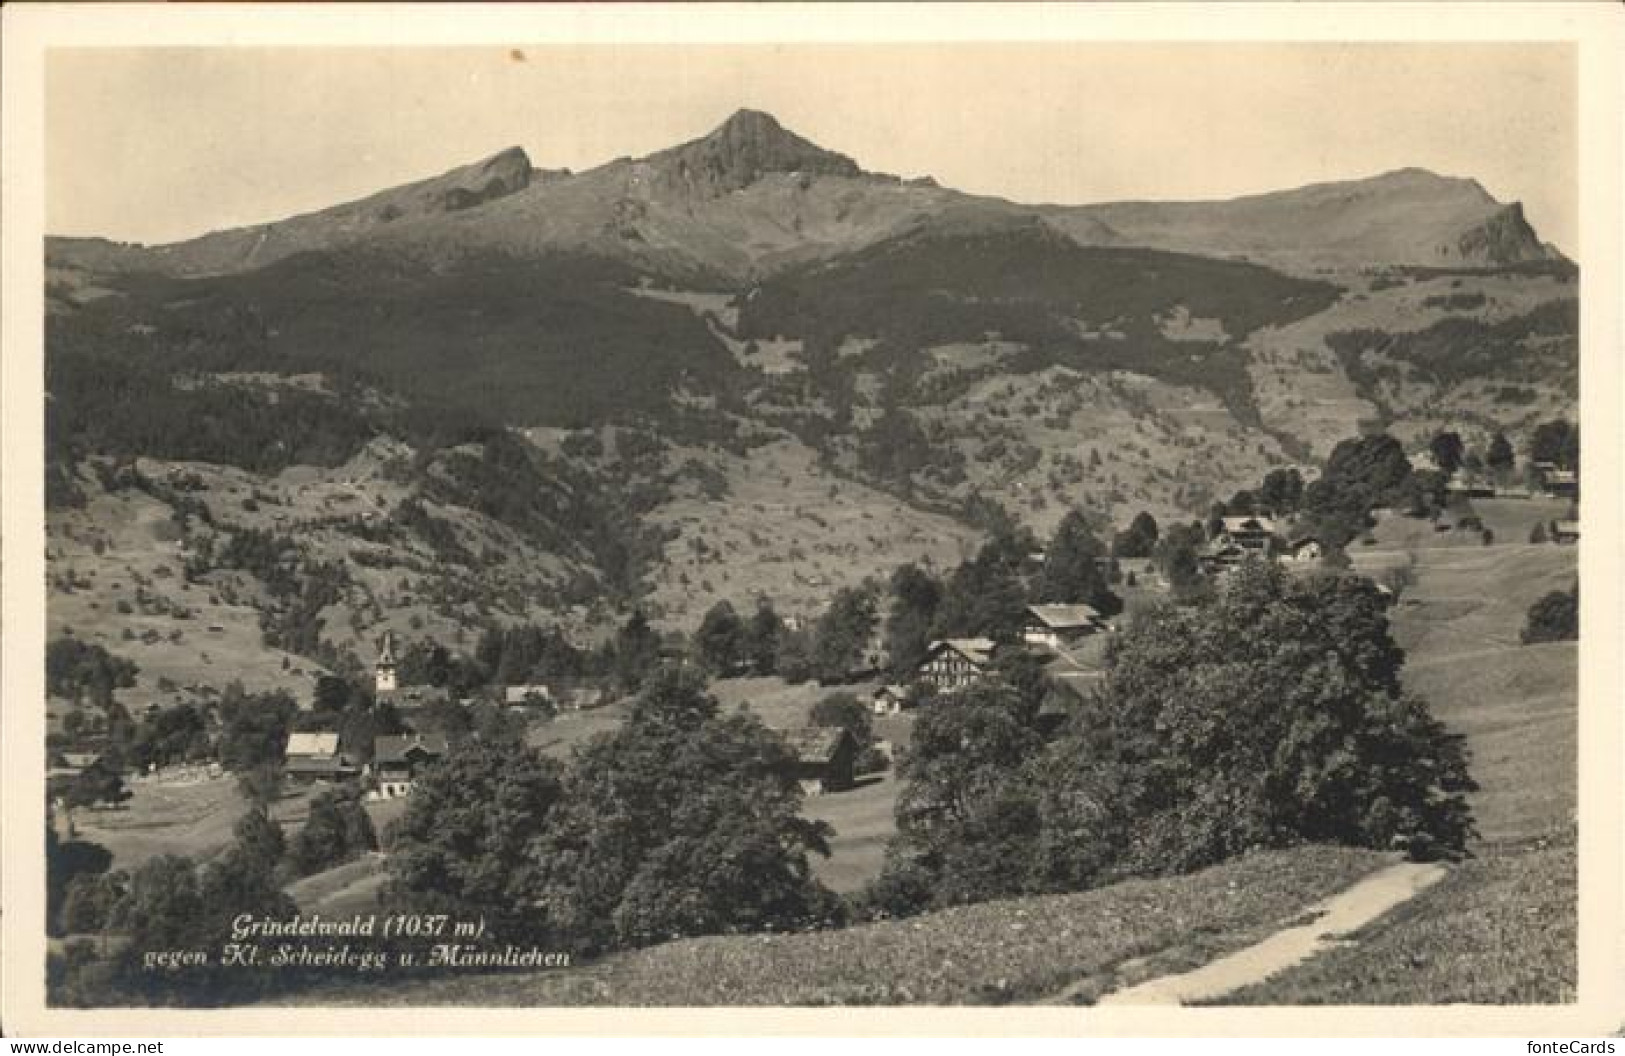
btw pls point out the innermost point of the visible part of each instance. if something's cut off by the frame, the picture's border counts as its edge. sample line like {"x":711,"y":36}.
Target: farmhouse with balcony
{"x":399,"y":759}
{"x":1060,"y":626}
{"x":951,"y":664}
{"x":1256,"y":535}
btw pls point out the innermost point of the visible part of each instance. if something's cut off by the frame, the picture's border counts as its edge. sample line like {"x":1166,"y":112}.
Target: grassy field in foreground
{"x":1499,"y":930}
{"x":1015,"y":950}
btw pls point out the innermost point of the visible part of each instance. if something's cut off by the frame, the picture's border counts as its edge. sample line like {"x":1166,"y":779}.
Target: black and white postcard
{"x":732,"y":512}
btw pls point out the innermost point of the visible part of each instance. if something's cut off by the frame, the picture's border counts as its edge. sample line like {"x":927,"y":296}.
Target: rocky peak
{"x":743,"y":149}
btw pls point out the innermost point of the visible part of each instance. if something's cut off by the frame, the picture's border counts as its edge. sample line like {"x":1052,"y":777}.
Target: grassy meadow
{"x":1021,"y":950}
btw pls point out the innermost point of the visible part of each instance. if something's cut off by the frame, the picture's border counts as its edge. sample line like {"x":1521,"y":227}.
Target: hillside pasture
{"x":343,"y":890}
{"x":786,"y":528}
{"x":864,"y":822}
{"x":116,"y":575}
{"x":1018,"y":950}
{"x":1517,"y":705}
{"x":179,"y":813}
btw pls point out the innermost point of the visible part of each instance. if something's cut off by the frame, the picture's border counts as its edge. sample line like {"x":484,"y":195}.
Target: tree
{"x":259,"y":837}
{"x":1555,"y":617}
{"x":85,"y":672}
{"x":1446,"y":448}
{"x":178,"y":734}
{"x":966,"y":815}
{"x":847,"y":712}
{"x":1333,"y":748}
{"x":680,"y":822}
{"x":336,"y":830}
{"x":1175,"y":555}
{"x":1282,"y":491}
{"x":987,"y":595}
{"x":464,"y":845}
{"x":254,"y":727}
{"x":332,"y":695}
{"x":841,"y":637}
{"x":637,"y":651}
{"x":1557,"y":442}
{"x":1072,"y":571}
{"x":97,"y":784}
{"x":721,"y":640}
{"x":1138,"y":539}
{"x":916,"y":596}
{"x":65,"y":864}
{"x":1537,"y":534}
{"x":261,"y":785}
{"x":762,"y":638}
{"x":1500,"y":458}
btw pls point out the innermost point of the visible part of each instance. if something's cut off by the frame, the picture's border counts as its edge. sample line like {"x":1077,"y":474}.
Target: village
{"x":844,"y":730}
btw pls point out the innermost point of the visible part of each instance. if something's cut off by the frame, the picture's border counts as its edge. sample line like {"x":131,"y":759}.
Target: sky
{"x":157,"y":145}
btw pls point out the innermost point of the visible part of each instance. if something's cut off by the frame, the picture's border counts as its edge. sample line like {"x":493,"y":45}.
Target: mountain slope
{"x":1410,"y":216}
{"x":245,"y":248}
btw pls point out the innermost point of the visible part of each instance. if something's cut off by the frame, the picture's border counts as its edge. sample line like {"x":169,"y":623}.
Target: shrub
{"x":1553,"y":618}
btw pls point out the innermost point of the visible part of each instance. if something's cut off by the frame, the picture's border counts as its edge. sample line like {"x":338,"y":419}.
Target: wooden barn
{"x":825,"y":758}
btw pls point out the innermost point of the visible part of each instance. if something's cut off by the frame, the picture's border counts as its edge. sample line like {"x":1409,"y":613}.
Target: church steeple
{"x":384,"y":680}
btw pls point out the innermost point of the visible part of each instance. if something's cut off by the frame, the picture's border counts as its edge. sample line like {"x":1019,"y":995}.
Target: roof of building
{"x":414,"y":696}
{"x":976,"y":650}
{"x":314,"y":743}
{"x":815,"y":744}
{"x":1065,"y":617}
{"x":1248,"y":523}
{"x":1566,"y":527}
{"x":318,"y":764}
{"x":393,"y":748}
{"x":1562,"y":476}
{"x":564,"y":685}
{"x":891,"y":689}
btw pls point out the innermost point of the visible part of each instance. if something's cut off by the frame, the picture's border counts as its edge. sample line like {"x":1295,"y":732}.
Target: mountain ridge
{"x":751,"y":197}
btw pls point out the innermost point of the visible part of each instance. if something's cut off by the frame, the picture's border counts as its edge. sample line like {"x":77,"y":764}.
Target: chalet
{"x":1567,"y":531}
{"x":1305,"y":550}
{"x":314,"y":756}
{"x":563,"y":693}
{"x":64,"y":766}
{"x":1221,"y":555}
{"x":1253,"y":534}
{"x":890,"y":699}
{"x":1464,"y":489}
{"x":954,"y":663}
{"x":398,"y":760}
{"x":1561,"y":483}
{"x":1058,"y":626}
{"x":824,"y":758}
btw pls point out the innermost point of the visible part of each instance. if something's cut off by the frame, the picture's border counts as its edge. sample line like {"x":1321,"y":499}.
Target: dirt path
{"x":1334,"y":917}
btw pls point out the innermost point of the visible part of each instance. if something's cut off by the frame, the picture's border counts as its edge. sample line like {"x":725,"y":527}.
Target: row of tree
{"x":1267,"y":714}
